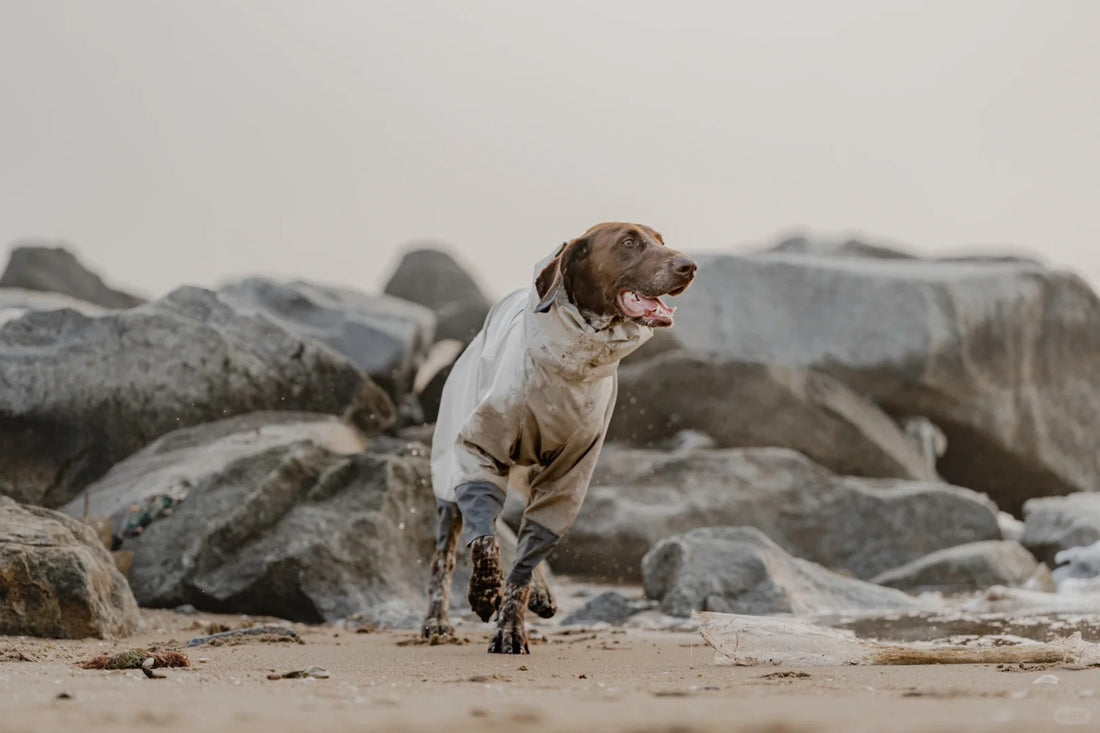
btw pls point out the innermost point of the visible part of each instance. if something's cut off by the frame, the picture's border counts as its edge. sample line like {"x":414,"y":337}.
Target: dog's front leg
{"x":511,"y":635}
{"x":485,"y":577}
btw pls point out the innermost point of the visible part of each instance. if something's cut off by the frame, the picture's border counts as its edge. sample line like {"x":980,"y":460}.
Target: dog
{"x":527,"y":404}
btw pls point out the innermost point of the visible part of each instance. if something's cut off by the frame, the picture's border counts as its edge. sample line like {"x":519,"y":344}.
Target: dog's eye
{"x":632,"y":243}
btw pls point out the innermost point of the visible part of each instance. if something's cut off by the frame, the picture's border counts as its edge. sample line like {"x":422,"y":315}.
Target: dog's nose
{"x":683,"y":266}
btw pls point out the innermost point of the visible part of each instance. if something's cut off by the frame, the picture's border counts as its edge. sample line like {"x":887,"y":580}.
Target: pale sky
{"x":191,"y":141}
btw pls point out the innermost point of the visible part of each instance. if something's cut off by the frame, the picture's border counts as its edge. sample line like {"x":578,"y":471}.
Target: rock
{"x":1054,"y":524}
{"x":1003,"y":356}
{"x":432,"y":278}
{"x":386,"y":337}
{"x":15,"y":302}
{"x":296,"y":531}
{"x":846,"y":248}
{"x":740,"y":570}
{"x":758,"y":405}
{"x":857,"y":526}
{"x":57,"y":579}
{"x":55,"y":269}
{"x":609,"y":607}
{"x":167,"y":469}
{"x":1078,"y":564}
{"x":970,"y":567}
{"x":80,"y":393}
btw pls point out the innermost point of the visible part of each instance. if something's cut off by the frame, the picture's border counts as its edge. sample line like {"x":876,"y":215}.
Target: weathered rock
{"x":1054,"y":524}
{"x":386,"y":337}
{"x":969,"y":567}
{"x":740,"y":570}
{"x":15,"y":302}
{"x":858,"y":526}
{"x":845,"y":248}
{"x":433,"y":279}
{"x":78,"y":394}
{"x":1003,"y":356}
{"x":609,"y":607}
{"x":758,"y":405}
{"x":57,"y":579}
{"x":1078,"y":568}
{"x":297,"y":532}
{"x":159,"y":476}
{"x":55,"y":269}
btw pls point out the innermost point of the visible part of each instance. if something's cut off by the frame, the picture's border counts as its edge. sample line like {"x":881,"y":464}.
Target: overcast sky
{"x":194,"y":141}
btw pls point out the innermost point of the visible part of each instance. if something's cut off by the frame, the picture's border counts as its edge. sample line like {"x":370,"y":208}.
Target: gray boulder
{"x":740,"y":570}
{"x":16,"y":302}
{"x":857,"y":526}
{"x":1003,"y":356}
{"x":296,"y":531}
{"x":970,"y":567}
{"x":741,"y":404}
{"x":1053,"y":524}
{"x":839,"y":248}
{"x":432,"y":278}
{"x":79,"y":393}
{"x":151,"y":482}
{"x":57,"y":579}
{"x":609,"y":607}
{"x":386,"y":337}
{"x":35,"y":266}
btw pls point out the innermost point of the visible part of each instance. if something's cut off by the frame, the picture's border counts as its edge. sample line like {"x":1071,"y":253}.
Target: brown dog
{"x":528,"y":404}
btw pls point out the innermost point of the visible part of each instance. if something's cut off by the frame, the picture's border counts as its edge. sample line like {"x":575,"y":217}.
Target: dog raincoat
{"x":528,"y":403}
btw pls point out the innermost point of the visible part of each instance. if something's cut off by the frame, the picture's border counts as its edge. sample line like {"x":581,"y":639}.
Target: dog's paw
{"x":436,"y":626}
{"x":541,"y":602}
{"x":510,"y":641}
{"x":484,"y":593}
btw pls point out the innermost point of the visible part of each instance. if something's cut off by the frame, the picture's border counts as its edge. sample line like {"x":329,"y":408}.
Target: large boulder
{"x":433,"y":279}
{"x":1003,"y":356}
{"x":1053,"y":524}
{"x":57,"y":579}
{"x":15,"y":302}
{"x":740,"y":570}
{"x":151,"y":482}
{"x":742,"y":404}
{"x":386,"y":337}
{"x":79,"y":393}
{"x":970,"y":567}
{"x":858,"y":526}
{"x":296,"y":531}
{"x":37,"y":267}
{"x":838,"y":248}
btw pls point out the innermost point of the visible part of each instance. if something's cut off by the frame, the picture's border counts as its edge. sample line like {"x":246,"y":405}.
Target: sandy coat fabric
{"x":530,"y":399}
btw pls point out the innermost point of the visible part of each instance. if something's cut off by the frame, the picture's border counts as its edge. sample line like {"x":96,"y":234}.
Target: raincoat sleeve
{"x":482,"y":457}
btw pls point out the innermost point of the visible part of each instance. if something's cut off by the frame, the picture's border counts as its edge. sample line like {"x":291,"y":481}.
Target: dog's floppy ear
{"x":549,"y":280}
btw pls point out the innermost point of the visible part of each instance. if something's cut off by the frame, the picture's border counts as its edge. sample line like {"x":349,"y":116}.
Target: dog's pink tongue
{"x":637,"y":305}
{"x":656,"y":307}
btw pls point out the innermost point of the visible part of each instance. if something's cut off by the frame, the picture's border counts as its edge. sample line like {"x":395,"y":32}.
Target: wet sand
{"x":602,"y":680}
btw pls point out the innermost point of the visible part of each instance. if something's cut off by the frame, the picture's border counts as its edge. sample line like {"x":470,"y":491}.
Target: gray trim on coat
{"x":447,"y":513}
{"x":480,"y":503}
{"x":535,"y":543}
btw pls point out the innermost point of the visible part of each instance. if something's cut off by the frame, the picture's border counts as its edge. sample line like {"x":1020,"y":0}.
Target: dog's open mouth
{"x":650,"y":310}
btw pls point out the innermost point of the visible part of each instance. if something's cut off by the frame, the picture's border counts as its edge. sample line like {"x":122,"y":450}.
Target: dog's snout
{"x":684,"y":266}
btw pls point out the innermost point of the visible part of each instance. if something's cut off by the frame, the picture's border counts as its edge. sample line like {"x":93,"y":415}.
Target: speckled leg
{"x":486,"y":577}
{"x":437,"y":621}
{"x":511,"y":635}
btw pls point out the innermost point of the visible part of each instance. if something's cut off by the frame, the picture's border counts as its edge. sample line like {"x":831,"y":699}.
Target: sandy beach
{"x":575,"y":679}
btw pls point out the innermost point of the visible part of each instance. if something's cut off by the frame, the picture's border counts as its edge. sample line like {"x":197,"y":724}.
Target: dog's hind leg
{"x":437,"y":621}
{"x":541,"y":601}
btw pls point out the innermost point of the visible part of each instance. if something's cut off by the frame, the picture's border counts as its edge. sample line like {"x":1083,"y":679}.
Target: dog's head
{"x":617,"y":271}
